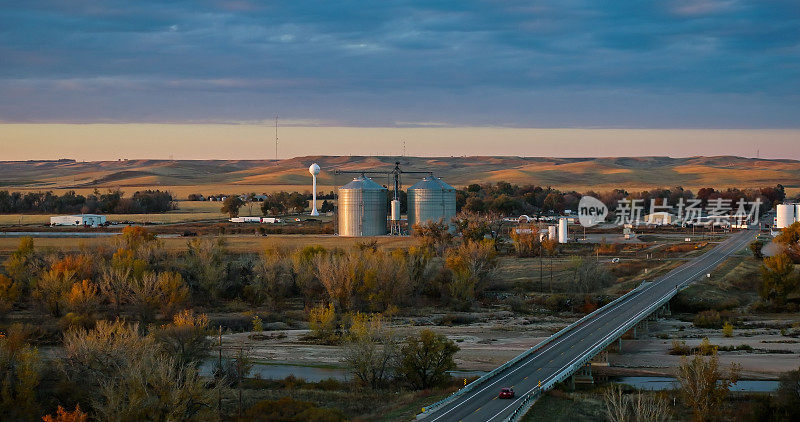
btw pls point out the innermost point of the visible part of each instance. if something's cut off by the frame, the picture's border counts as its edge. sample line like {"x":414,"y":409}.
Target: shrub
{"x":708,"y":319}
{"x":290,"y":410}
{"x":322,"y":321}
{"x":727,"y":329}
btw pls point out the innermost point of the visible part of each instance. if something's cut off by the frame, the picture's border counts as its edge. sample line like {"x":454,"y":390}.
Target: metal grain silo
{"x":362,"y":208}
{"x":431,"y":199}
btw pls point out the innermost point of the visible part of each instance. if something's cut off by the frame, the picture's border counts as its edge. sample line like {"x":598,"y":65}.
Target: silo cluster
{"x":431,"y":199}
{"x":362,"y":208}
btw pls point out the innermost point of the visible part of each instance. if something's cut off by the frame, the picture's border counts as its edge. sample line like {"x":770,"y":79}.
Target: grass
{"x":558,"y":407}
{"x":236,"y":243}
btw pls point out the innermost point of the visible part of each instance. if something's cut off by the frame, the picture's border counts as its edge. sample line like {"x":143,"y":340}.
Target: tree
{"x":64,"y":416}
{"x":288,"y":409}
{"x":703,"y":385}
{"x":756,"y":248}
{"x":20,"y":372}
{"x":142,"y":294}
{"x":231,"y":205}
{"x":127,"y":377}
{"x":205,"y":263}
{"x":372,"y":350}
{"x":789,"y":240}
{"x":185,"y":338}
{"x":52,"y":288}
{"x":10,"y":292}
{"x":322,"y":321}
{"x":473,"y":264}
{"x":113,"y":285}
{"x":172,"y":291}
{"x":23,"y":264}
{"x":434,"y":234}
{"x":426,"y":358}
{"x":778,"y":279}
{"x":588,"y":275}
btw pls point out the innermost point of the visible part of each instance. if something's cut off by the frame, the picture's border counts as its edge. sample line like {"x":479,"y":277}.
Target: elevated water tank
{"x":431,"y":199}
{"x":785,"y":215}
{"x":362,"y":208}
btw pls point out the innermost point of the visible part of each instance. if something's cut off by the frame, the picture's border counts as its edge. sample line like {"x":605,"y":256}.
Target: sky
{"x":446,"y":74}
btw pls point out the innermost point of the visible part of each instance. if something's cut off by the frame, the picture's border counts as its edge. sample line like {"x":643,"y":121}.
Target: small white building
{"x":90,"y":220}
{"x":660,"y":218}
{"x":245,"y":220}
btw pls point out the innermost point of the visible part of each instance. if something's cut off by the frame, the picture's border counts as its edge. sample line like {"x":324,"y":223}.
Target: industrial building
{"x":362,"y":208}
{"x":431,"y":200}
{"x":89,"y":220}
{"x":786,"y":215}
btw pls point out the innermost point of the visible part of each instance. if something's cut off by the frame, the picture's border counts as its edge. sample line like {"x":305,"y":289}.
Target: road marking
{"x":579,"y":328}
{"x":630,"y":319}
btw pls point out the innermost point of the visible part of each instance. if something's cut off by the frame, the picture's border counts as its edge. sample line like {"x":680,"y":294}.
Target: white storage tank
{"x":431,"y":199}
{"x":395,"y":210}
{"x":362,"y":208}
{"x":552,"y":232}
{"x":785,"y":215}
{"x":563,"y":232}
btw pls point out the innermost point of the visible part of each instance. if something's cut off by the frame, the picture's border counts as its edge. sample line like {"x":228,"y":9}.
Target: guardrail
{"x":534,"y":394}
{"x":485,"y":377}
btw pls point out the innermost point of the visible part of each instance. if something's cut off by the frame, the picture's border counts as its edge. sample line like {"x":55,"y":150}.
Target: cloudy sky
{"x":665,"y":64}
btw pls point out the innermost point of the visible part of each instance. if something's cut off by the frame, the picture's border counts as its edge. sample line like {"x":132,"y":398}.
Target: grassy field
{"x":236,"y":243}
{"x":187,"y":211}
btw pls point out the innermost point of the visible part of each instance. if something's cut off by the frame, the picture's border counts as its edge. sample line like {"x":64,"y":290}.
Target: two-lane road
{"x":554,"y":357}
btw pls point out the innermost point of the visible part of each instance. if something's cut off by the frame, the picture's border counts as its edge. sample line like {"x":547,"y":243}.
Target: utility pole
{"x":219,"y":379}
{"x":276,"y":137}
{"x":541,"y":265}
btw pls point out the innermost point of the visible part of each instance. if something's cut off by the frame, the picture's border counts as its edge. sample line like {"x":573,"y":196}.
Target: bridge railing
{"x":487,"y":376}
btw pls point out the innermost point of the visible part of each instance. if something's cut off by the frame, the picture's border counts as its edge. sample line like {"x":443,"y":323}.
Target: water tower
{"x":314,"y":170}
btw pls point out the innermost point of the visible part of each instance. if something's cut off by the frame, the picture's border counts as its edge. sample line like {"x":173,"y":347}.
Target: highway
{"x":562,"y":352}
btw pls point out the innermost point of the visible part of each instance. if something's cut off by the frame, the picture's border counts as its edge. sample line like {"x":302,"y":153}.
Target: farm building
{"x":92,"y":220}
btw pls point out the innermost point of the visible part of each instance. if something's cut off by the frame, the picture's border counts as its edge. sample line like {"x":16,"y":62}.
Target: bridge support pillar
{"x":619,"y":345}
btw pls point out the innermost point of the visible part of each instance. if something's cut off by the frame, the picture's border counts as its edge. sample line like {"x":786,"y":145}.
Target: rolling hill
{"x":229,"y":176}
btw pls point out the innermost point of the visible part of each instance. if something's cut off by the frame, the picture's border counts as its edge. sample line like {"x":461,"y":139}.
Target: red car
{"x":506,"y":393}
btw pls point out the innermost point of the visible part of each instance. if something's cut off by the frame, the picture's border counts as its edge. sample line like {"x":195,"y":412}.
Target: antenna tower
{"x":276,"y":137}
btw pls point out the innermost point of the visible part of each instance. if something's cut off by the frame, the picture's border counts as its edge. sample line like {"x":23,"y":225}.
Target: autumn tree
{"x":789,"y":240}
{"x":231,"y":205}
{"x":372,"y":350}
{"x":185,"y":338}
{"x":173,"y":292}
{"x":23,"y":264}
{"x":10,"y":292}
{"x":113,"y":285}
{"x":426,"y":358}
{"x":778,"y":278}
{"x":703,"y":385}
{"x":274,"y":279}
{"x":322,"y":321}
{"x":126,"y":376}
{"x":51,"y":289}
{"x":62,"y":415}
{"x":473,"y":264}
{"x":20,"y":371}
{"x":206,"y":265}
{"x":435,"y":235}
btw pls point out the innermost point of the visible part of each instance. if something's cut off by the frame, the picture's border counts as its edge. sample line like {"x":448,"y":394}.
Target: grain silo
{"x":431,"y":199}
{"x":362,"y":208}
{"x":785,"y":215}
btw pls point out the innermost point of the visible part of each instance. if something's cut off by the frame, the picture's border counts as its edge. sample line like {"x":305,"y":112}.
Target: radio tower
{"x":276,"y":137}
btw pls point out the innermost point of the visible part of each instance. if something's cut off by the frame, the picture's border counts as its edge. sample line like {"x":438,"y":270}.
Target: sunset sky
{"x":204,"y":79}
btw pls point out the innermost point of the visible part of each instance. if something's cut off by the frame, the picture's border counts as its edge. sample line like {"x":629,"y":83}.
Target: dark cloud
{"x":517,"y":63}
